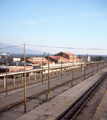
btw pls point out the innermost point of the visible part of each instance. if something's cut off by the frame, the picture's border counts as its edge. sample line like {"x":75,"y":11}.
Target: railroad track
{"x":19,"y":103}
{"x":34,"y":96}
{"x":33,"y":82}
{"x":72,"y":111}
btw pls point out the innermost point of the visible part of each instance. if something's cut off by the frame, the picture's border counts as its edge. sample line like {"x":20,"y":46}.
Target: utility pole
{"x":24,"y":79}
{"x":92,"y":65}
{"x":42,"y":69}
{"x":6,"y":77}
{"x":81,"y":64}
{"x":48,"y":79}
{"x":85,"y":68}
{"x":61,"y":67}
{"x":97,"y":64}
{"x":73,"y":72}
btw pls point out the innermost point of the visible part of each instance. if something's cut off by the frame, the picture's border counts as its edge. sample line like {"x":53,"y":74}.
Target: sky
{"x":61,"y":23}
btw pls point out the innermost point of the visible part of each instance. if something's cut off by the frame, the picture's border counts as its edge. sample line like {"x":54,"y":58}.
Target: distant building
{"x":9,"y":60}
{"x":38,"y":61}
{"x":58,"y":59}
{"x":17,"y":63}
{"x":87,"y":58}
{"x":68,"y":56}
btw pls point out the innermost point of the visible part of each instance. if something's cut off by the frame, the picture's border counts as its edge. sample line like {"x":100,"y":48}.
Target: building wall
{"x":88,"y":58}
{"x":63,"y":61}
{"x":16,"y":59}
{"x":38,"y":59}
{"x":10,"y":60}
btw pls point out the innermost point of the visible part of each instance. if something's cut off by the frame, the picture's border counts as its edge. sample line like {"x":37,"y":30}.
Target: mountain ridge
{"x":9,"y":48}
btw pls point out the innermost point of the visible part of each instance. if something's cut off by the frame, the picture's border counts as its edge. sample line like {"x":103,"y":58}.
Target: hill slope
{"x":16,"y":50}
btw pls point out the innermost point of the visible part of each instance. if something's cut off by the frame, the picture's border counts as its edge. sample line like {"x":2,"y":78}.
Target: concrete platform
{"x":51,"y":109}
{"x":102,"y":110}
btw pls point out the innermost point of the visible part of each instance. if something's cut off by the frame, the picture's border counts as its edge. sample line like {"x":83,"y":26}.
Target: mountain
{"x":8,"y":48}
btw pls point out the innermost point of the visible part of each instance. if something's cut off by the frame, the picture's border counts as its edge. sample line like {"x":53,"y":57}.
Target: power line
{"x":66,"y":47}
{"x":56,"y":47}
{"x":11,"y":46}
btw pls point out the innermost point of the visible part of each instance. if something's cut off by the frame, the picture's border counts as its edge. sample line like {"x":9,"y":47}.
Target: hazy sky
{"x":63,"y":23}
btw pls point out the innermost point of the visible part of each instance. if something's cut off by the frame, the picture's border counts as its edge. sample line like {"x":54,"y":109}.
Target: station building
{"x":58,"y":59}
{"x":69,"y":56}
{"x":38,"y":61}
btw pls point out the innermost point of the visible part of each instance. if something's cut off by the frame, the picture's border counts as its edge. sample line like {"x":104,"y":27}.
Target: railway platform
{"x":101,"y":112}
{"x":51,"y":109}
{"x":18,"y":94}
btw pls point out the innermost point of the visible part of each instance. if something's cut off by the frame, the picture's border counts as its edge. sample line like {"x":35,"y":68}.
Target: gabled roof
{"x":37,"y":62}
{"x":58,"y":58}
{"x":31,"y":61}
{"x":67,"y":53}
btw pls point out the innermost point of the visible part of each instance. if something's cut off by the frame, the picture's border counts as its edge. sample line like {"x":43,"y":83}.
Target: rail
{"x":72,"y":111}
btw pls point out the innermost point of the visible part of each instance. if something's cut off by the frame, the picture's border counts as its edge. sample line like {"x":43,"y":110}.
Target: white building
{"x":10,"y":60}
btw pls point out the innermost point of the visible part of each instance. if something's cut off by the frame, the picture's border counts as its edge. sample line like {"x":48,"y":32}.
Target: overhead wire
{"x":55,"y":47}
{"x":66,"y":47}
{"x":11,"y":46}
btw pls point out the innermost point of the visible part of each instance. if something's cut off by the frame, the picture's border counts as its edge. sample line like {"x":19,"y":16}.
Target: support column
{"x":85,"y":69}
{"x":52,"y":72}
{"x":22,"y":78}
{"x":65,"y":70}
{"x":40,"y":74}
{"x":62,"y":70}
{"x":69,"y":69}
{"x":4,"y":82}
{"x":14,"y":79}
{"x":34,"y":75}
{"x":29,"y":76}
{"x":56,"y":71}
{"x":92,"y":68}
{"x":81,"y":67}
{"x":45,"y":73}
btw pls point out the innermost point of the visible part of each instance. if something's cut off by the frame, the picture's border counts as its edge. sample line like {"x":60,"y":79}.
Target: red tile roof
{"x":67,"y":53}
{"x":78,"y":59}
{"x":58,"y":58}
{"x":39,"y":62}
{"x":31,"y":61}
